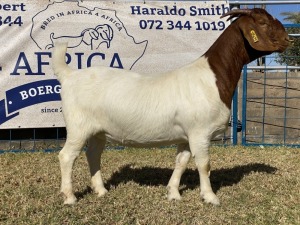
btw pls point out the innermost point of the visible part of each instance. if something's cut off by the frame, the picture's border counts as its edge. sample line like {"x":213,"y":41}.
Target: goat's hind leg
{"x":67,"y":157}
{"x":182,"y":158}
{"x":95,"y":148}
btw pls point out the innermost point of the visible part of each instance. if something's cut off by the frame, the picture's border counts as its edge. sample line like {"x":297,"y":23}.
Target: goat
{"x":187,"y":107}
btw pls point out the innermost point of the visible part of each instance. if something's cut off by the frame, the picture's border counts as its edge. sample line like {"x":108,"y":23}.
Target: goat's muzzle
{"x":285,"y":44}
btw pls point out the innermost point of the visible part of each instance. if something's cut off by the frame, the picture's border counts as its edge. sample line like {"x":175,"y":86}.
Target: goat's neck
{"x":226,"y":57}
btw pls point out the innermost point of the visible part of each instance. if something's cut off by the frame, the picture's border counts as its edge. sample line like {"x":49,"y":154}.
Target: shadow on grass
{"x":80,"y":194}
{"x":154,"y":176}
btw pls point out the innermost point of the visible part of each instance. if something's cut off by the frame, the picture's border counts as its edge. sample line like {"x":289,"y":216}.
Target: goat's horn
{"x":236,"y":13}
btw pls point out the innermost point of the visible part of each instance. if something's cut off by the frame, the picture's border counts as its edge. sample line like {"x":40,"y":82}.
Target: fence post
{"x":234,"y":122}
{"x":244,"y":105}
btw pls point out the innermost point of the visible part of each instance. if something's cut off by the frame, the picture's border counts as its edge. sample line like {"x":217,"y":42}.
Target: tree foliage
{"x":291,"y":56}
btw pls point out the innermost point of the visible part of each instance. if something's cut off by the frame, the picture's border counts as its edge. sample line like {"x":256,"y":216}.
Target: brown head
{"x":262,"y":31}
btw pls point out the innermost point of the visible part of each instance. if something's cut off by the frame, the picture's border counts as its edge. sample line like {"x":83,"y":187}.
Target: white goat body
{"x":137,"y":110}
{"x":144,"y":110}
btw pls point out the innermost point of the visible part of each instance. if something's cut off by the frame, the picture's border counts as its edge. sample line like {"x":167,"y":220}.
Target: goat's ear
{"x":256,"y":38}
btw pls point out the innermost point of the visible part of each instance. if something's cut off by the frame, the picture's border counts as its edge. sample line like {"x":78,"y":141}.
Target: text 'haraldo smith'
{"x":178,"y":11}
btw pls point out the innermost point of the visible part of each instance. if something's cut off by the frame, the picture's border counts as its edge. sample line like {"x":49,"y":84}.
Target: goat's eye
{"x":263,"y":24}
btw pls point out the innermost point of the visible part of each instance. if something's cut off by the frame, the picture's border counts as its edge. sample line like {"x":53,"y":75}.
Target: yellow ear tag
{"x":254,"y":36}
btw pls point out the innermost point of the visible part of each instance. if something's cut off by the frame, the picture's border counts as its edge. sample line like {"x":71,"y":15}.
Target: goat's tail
{"x":59,"y":65}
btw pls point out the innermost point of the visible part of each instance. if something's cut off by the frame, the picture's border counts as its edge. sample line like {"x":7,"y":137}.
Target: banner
{"x":147,"y":37}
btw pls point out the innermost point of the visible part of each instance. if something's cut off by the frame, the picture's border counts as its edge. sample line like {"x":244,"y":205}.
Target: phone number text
{"x":181,"y":25}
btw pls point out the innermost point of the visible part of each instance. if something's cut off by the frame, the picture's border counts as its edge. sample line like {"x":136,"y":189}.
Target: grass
{"x":255,"y":186}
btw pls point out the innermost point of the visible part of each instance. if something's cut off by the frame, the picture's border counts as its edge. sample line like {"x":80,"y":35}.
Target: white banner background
{"x":146,"y":37}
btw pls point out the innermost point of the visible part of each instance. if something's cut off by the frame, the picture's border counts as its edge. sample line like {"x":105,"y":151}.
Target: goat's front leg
{"x":200,"y":151}
{"x":67,"y":157}
{"x":182,"y":158}
{"x":93,"y":154}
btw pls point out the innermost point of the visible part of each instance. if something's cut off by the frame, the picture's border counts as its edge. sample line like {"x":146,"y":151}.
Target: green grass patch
{"x":255,"y":186}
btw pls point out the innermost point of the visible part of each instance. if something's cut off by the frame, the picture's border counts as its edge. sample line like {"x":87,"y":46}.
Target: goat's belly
{"x":148,"y":140}
{"x":144,"y":144}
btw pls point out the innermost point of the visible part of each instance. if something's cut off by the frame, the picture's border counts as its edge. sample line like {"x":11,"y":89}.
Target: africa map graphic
{"x":88,"y":29}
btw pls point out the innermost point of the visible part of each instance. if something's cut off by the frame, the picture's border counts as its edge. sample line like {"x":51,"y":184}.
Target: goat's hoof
{"x":173,"y":194}
{"x":70,"y":200}
{"x":101,"y":192}
{"x":210,"y":197}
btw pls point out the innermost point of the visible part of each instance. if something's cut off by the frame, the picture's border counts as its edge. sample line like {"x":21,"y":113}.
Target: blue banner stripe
{"x":32,"y":93}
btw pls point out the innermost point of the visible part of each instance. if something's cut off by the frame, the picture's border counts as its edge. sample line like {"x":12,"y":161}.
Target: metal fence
{"x":36,"y":139}
{"x":270,"y":105}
